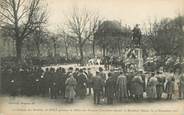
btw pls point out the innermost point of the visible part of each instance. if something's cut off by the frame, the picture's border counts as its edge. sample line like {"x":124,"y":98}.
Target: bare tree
{"x":54,"y":39}
{"x":22,"y":18}
{"x":39,"y":36}
{"x":66,"y":41}
{"x":82,"y":26}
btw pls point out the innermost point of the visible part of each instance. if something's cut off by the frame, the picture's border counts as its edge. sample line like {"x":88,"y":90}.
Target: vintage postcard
{"x":91,"y":57}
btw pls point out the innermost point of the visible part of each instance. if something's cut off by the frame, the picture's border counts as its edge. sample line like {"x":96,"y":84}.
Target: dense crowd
{"x":114,"y":85}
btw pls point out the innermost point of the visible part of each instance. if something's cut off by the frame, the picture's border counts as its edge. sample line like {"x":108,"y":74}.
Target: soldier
{"x":110,"y":88}
{"x":97,"y":88}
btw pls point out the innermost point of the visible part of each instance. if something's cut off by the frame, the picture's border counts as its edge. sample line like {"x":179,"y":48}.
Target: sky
{"x":130,"y":12}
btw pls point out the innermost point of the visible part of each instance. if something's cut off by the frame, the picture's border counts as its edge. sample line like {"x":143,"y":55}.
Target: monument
{"x":137,"y":47}
{"x":134,"y":55}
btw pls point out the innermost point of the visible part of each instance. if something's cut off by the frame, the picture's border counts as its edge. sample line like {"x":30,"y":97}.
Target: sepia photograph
{"x":91,"y":57}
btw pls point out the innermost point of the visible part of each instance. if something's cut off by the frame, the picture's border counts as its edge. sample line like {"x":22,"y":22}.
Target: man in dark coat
{"x":75,"y":75}
{"x":43,"y":85}
{"x":103,"y":77}
{"x":58,"y":76}
{"x":106,"y":62}
{"x":46,"y":77}
{"x":81,"y":84}
{"x":53,"y":87}
{"x":160,"y":85}
{"x":130,"y":84}
{"x":12,"y":82}
{"x":89,"y":81}
{"x":110,"y":88}
{"x":62,"y":81}
{"x":97,"y":88}
{"x":70,"y":70}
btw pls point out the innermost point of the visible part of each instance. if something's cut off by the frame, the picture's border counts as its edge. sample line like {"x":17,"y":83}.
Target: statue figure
{"x":136,"y":35}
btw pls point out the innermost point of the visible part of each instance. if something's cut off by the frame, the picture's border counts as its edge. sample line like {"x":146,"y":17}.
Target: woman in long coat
{"x":70,"y":88}
{"x":152,"y":83}
{"x":160,"y":85}
{"x":122,"y":87}
{"x":137,"y":83}
{"x":170,"y":87}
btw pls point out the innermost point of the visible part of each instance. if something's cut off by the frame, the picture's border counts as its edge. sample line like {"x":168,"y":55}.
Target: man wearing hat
{"x":103,"y":77}
{"x":97,"y":87}
{"x":81,"y":84}
{"x":110,"y":88}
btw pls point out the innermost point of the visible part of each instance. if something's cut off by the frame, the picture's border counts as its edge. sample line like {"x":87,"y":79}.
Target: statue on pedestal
{"x":136,"y":35}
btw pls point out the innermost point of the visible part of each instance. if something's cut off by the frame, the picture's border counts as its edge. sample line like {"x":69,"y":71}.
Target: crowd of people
{"x":109,"y":86}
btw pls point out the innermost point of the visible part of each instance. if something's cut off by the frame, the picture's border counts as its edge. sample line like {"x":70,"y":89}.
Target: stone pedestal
{"x":135,"y":58}
{"x":139,"y":59}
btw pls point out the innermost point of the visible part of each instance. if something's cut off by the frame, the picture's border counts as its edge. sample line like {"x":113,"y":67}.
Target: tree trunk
{"x":55,"y":49}
{"x":103,"y":51}
{"x":81,"y":54}
{"x":14,"y":47}
{"x":76,"y":50}
{"x":38,"y":50}
{"x":119,"y":50}
{"x":18,"y":50}
{"x":93,"y":46}
{"x":66,"y":50}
